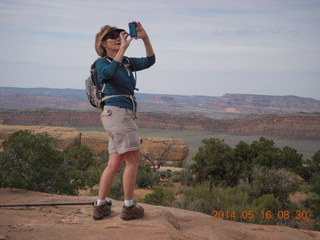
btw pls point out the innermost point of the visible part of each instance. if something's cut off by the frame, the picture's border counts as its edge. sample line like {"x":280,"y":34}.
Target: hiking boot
{"x":104,"y":210}
{"x":132,"y":212}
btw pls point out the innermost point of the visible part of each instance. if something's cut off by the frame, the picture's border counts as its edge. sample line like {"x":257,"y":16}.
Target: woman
{"x":119,"y":113}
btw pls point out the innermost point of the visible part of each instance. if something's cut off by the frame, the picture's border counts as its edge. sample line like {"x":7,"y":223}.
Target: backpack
{"x":93,"y":89}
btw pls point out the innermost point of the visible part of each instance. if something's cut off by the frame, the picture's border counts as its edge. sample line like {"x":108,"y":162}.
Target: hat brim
{"x":112,"y":30}
{"x":115,"y":30}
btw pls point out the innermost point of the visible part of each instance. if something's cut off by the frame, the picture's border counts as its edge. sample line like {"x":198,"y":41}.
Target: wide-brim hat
{"x":105,"y":31}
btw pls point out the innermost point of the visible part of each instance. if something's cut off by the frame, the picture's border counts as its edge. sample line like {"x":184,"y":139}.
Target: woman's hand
{"x":140,"y":31}
{"x":125,"y":42}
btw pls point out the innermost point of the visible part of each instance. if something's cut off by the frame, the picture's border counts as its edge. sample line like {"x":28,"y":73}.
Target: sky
{"x":202,"y":47}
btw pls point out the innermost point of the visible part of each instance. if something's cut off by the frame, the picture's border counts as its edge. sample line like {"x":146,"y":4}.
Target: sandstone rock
{"x":172,"y":149}
{"x":63,"y":138}
{"x":98,"y":141}
{"x":159,"y":223}
{"x":175,"y":149}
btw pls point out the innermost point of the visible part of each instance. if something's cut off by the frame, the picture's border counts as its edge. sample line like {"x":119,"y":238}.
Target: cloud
{"x":52,"y":41}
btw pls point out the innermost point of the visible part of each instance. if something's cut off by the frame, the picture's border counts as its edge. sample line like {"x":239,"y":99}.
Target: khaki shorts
{"x":121,"y":129}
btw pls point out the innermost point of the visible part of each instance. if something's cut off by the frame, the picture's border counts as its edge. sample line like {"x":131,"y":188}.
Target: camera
{"x":133,"y":29}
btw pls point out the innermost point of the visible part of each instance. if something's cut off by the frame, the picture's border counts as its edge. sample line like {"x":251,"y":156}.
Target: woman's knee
{"x":132,"y":157}
{"x":115,"y":162}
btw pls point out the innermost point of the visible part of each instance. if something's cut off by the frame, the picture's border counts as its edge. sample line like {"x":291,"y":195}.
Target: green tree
{"x":214,"y":162}
{"x":290,"y":159}
{"x":265,"y":153}
{"x":312,"y":167}
{"x":243,"y":161}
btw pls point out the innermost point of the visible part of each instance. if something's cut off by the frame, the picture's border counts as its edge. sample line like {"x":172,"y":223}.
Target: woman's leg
{"x":114,"y":163}
{"x":130,"y":173}
{"x":130,"y":209}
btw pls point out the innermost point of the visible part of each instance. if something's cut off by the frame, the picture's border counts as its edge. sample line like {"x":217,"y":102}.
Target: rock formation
{"x":171,"y":149}
{"x":64,"y":138}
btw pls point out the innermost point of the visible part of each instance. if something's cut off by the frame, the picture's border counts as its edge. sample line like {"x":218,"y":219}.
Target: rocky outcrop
{"x":169,"y":149}
{"x":64,"y":138}
{"x":98,"y":141}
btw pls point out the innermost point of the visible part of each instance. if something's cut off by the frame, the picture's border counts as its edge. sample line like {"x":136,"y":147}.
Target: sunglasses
{"x":110,"y":36}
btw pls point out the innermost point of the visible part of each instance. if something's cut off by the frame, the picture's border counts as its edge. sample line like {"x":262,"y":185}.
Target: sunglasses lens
{"x":114,"y":36}
{"x":111,"y":36}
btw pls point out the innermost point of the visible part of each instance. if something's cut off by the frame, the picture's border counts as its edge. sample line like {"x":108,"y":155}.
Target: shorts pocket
{"x":106,"y":119}
{"x":133,"y":139}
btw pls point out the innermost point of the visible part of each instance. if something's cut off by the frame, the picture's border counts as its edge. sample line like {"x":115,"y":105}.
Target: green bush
{"x":218,"y":163}
{"x":266,"y":209}
{"x":161,"y":196}
{"x":206,"y":198}
{"x":184,"y":177}
{"x":231,"y":203}
{"x":83,"y":170}
{"x":313,"y":203}
{"x":29,"y":161}
{"x":146,"y":177}
{"x":165,"y":174}
{"x":278,"y":182}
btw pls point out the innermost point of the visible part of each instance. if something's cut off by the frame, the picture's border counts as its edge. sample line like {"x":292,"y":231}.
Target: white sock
{"x":101,"y":202}
{"x":129,"y":203}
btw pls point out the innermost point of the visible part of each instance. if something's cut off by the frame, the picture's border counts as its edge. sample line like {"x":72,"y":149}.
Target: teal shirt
{"x":120,"y":79}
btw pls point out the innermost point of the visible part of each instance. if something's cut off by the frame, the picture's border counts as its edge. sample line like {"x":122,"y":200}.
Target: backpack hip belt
{"x":133,"y":100}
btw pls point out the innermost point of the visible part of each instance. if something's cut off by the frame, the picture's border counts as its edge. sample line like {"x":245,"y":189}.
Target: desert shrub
{"x":278,"y":182}
{"x":312,"y":202}
{"x":83,"y":170}
{"x":205,"y":198}
{"x":315,"y":183}
{"x":146,"y":177}
{"x":165,"y":174}
{"x":184,"y":177}
{"x":311,"y":168}
{"x":160,"y":196}
{"x":266,"y":209}
{"x":231,"y":203}
{"x":103,"y":157}
{"x":178,"y":164}
{"x":29,"y":161}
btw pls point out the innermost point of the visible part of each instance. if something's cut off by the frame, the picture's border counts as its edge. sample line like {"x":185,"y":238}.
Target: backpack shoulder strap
{"x":107,"y":59}
{"x":133,"y":68}
{"x":93,"y":68}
